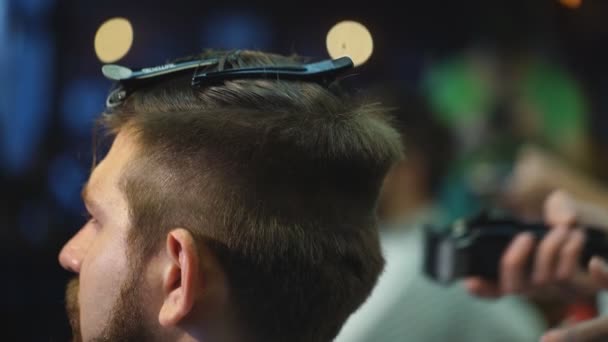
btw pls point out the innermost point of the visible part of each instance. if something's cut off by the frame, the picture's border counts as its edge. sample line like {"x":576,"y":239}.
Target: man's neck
{"x":216,"y":329}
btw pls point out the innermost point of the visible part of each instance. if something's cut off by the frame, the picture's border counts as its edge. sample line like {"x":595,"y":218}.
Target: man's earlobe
{"x":180,"y":277}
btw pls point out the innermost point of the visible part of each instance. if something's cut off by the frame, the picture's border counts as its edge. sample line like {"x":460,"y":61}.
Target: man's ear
{"x":180,"y":277}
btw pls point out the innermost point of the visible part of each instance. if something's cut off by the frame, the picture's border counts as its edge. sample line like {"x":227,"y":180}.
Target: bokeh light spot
{"x":113,"y":39}
{"x":352,"y":39}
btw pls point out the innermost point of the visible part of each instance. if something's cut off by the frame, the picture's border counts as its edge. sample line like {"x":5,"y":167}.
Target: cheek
{"x":102,"y":274}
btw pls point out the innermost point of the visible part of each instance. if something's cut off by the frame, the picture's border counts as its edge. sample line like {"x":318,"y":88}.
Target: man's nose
{"x":73,"y":252}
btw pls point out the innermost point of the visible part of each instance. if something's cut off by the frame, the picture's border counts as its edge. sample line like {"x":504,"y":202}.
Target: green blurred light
{"x":456,"y":92}
{"x":559,"y":101}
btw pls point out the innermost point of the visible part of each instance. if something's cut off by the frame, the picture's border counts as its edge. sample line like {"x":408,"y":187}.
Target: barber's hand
{"x":555,"y":265}
{"x":536,"y":174}
{"x":589,"y":331}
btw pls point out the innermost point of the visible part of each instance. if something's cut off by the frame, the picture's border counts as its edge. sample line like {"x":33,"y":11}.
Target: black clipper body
{"x":475,"y":247}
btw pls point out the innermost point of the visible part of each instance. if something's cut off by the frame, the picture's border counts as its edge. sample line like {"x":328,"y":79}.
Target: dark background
{"x":51,"y":89}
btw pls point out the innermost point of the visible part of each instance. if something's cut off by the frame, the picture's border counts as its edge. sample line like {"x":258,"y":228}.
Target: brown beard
{"x":127,"y":320}
{"x":73,"y":308}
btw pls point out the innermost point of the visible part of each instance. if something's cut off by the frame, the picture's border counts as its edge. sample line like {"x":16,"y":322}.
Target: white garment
{"x":602,"y":303}
{"x":407,"y":306}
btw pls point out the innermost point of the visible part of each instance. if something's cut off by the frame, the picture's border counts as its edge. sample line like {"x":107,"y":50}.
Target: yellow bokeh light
{"x":352,"y":39}
{"x":571,"y":3}
{"x":113,"y":39}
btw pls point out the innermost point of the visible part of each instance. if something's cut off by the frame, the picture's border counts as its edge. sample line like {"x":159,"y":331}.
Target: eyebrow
{"x":89,"y":202}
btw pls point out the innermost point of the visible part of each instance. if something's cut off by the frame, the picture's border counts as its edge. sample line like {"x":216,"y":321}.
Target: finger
{"x":592,"y":215}
{"x":570,"y":255}
{"x":595,"y":330}
{"x":481,"y":288}
{"x":547,"y":255}
{"x":560,"y":209}
{"x":513,"y":263}
{"x":599,"y":271}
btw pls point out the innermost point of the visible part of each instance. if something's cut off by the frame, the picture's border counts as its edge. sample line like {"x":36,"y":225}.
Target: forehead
{"x":106,"y":176}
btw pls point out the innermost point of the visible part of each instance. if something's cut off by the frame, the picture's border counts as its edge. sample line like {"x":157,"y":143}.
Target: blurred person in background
{"x":405,"y":305}
{"x":242,"y":210}
{"x":511,"y":111}
{"x":556,"y":151}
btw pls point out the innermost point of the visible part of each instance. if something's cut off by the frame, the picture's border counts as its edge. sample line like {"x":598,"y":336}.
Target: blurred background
{"x":515,"y":97}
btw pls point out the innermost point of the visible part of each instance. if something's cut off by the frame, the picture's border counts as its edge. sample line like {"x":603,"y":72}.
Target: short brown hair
{"x":279,"y":178}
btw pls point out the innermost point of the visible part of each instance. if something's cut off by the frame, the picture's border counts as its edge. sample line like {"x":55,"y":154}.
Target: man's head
{"x":241,"y":210}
